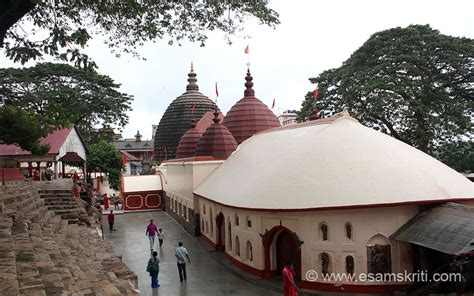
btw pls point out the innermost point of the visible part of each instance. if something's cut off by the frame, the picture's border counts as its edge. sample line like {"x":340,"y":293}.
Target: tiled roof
{"x":55,"y":140}
{"x":448,"y":228}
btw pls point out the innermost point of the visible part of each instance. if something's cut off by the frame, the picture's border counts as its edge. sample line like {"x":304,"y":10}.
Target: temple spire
{"x":192,"y":80}
{"x":249,"y":91}
{"x":216,"y":118}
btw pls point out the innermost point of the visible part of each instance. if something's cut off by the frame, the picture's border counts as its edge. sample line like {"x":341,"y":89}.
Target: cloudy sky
{"x":313,"y":36}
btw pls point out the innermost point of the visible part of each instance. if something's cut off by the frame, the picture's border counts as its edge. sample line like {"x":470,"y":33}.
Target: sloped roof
{"x":55,"y":140}
{"x":327,"y":164}
{"x":448,"y":228}
{"x":130,"y":145}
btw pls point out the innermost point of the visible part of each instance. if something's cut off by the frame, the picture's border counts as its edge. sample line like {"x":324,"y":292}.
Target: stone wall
{"x":41,"y":254}
{"x":188,"y":225}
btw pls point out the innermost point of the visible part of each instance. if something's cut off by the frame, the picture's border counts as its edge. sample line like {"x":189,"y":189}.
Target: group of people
{"x":114,"y":199}
{"x":153,"y":266}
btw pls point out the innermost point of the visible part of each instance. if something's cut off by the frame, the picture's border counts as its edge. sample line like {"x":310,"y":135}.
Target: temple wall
{"x":369,"y":227}
{"x":181,"y":180}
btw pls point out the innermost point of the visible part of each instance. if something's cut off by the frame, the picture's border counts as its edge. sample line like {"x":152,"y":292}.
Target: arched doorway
{"x":287,"y":248}
{"x":220,"y":232}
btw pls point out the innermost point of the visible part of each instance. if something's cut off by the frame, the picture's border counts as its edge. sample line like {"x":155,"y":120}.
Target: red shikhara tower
{"x":249,"y":115}
{"x":217,"y":141}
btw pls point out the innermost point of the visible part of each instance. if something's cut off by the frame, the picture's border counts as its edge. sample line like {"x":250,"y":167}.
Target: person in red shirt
{"x":106,"y":201}
{"x":111,"y":218}
{"x":289,"y":285}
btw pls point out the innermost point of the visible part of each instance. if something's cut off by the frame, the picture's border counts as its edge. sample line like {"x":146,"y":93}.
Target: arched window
{"x":249,"y":222}
{"x":204,"y":209}
{"x":379,"y":257}
{"x":350,"y":265}
{"x":324,"y":231}
{"x":249,"y":254}
{"x":202,"y":224}
{"x":324,"y":258}
{"x":207,"y":227}
{"x":230,"y":233}
{"x":349,"y":230}
{"x":237,"y":246}
{"x":236,"y":220}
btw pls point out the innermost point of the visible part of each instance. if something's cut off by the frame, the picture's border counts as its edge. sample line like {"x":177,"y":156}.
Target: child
{"x":161,"y":236}
{"x":153,"y":268}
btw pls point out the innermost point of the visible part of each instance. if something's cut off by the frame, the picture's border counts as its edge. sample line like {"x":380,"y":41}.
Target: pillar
{"x":84,"y":173}
{"x":267,"y":273}
{"x":55,"y":167}
{"x":63,"y":169}
{"x":38,"y":166}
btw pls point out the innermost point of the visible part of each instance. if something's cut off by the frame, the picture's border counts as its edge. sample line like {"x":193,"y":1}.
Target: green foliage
{"x":59,"y":95}
{"x":413,"y":82}
{"x":459,"y":155}
{"x":104,"y":158}
{"x":24,"y":129}
{"x":63,"y":28}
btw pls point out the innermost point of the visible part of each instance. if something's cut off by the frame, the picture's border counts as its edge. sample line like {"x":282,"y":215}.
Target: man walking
{"x":182,"y":254}
{"x":111,"y":218}
{"x":151,"y":232}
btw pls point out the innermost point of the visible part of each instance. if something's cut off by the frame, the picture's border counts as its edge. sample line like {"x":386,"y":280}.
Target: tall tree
{"x":49,"y":96}
{"x":104,"y":158}
{"x":63,"y":28}
{"x":413,"y":82}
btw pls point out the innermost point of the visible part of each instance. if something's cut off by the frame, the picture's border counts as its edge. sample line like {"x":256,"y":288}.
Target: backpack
{"x":154,"y":266}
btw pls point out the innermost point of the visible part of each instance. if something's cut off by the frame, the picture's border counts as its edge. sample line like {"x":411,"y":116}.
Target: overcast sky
{"x":313,"y":36}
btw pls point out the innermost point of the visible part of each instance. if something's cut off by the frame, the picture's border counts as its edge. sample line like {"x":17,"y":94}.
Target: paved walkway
{"x":206,"y":276}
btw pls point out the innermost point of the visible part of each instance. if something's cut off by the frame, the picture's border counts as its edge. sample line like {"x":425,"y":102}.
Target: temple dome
{"x":175,"y":120}
{"x":217,"y":141}
{"x":187,"y":144}
{"x":328,"y":164}
{"x":249,"y":115}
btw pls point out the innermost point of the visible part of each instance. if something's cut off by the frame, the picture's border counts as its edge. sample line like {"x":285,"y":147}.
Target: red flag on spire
{"x":316,"y":94}
{"x":217,"y":90}
{"x":194,"y":108}
{"x":273,"y":105}
{"x":246,"y":50}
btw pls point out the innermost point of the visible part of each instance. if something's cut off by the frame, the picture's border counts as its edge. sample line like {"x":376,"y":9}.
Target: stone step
{"x":57,"y":207}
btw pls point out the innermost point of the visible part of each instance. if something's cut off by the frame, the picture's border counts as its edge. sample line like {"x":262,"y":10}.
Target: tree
{"x":48,"y":96}
{"x":22,"y":128}
{"x":459,"y":155}
{"x":63,"y":28}
{"x":413,"y":82}
{"x":104,"y":158}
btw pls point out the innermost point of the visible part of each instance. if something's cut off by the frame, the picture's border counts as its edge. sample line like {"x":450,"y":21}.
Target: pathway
{"x":206,"y":276}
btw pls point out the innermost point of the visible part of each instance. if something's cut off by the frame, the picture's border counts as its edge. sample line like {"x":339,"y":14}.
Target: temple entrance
{"x":220,"y":232}
{"x":286,"y":251}
{"x":286,"y":246}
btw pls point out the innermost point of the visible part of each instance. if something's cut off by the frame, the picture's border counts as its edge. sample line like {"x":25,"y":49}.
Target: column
{"x":55,"y":167}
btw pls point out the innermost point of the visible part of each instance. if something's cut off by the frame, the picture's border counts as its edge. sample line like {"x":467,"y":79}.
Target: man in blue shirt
{"x":181,"y":255}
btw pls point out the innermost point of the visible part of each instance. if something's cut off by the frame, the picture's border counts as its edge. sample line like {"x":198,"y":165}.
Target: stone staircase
{"x":62,"y":203}
{"x":43,"y":254}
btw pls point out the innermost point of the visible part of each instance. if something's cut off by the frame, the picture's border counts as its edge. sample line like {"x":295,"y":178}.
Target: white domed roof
{"x":330,"y":164}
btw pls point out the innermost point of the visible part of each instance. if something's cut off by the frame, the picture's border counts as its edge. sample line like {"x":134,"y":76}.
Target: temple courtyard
{"x":206,"y":276}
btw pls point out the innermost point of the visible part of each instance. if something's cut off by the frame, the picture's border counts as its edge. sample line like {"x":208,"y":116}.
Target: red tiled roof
{"x":217,"y":141}
{"x":206,"y":121}
{"x":249,"y":115}
{"x":55,"y":140}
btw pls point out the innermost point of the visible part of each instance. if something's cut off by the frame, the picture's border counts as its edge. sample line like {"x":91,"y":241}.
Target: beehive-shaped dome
{"x":217,"y":141}
{"x":175,"y":120}
{"x":249,"y":115}
{"x":187,"y":144}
